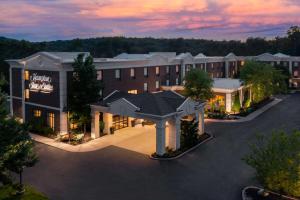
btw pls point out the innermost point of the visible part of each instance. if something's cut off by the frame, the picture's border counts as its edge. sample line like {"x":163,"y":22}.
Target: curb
{"x":244,"y":197}
{"x":251,"y":116}
{"x":185,"y":152}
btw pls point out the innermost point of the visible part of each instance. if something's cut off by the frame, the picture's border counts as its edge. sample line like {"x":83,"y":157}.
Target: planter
{"x":256,"y":193}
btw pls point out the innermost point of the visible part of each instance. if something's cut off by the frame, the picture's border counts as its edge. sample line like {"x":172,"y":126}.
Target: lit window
{"x":99,"y":75}
{"x":167,"y":82}
{"x":73,"y":125}
{"x":37,"y":113}
{"x":243,"y":63}
{"x":117,"y":74}
{"x":145,"y":71}
{"x":167,"y":69}
{"x":212,"y":65}
{"x":295,"y":73}
{"x":26,"y":93}
{"x":157,"y":84}
{"x":177,"y":81}
{"x":157,"y":70}
{"x":177,"y":68}
{"x":132,"y":91}
{"x":187,"y":68}
{"x":132,"y":73}
{"x":50,"y":120}
{"x":145,"y":87}
{"x":26,"y":75}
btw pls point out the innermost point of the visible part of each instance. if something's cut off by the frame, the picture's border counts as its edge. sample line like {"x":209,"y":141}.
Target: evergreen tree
{"x":84,"y":89}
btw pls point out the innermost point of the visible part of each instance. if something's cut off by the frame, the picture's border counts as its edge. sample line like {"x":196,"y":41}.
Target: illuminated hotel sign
{"x":40,"y":83}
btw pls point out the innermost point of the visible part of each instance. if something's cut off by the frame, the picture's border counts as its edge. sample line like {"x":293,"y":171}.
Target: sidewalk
{"x":118,"y":139}
{"x":250,"y":116}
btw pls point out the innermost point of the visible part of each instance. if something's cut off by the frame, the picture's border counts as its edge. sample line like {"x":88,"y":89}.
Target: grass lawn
{"x":7,"y":193}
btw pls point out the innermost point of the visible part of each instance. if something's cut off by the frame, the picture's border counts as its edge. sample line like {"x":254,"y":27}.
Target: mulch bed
{"x":172,"y":154}
{"x":254,"y":195}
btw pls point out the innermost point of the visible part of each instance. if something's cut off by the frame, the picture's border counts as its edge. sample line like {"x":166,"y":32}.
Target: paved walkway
{"x":127,"y":138}
{"x":250,"y":116}
{"x":214,"y":171}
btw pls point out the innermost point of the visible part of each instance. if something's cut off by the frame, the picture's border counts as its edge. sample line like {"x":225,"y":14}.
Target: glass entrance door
{"x":120,"y":122}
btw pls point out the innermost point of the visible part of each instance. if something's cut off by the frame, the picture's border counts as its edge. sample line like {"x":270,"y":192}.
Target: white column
{"x":226,"y":69}
{"x":63,"y":121}
{"x":63,"y":102}
{"x":228,"y":102}
{"x":160,"y":137}
{"x":23,"y":94}
{"x":95,"y":132}
{"x":241,"y":97}
{"x":291,"y":73}
{"x":205,"y":67}
{"x":174,"y":133}
{"x":107,"y":119}
{"x":10,"y":91}
{"x":200,"y":121}
{"x":182,"y":72}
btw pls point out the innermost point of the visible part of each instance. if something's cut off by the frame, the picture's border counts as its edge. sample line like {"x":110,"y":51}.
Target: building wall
{"x":216,"y":69}
{"x":17,"y":107}
{"x":126,"y":82}
{"x":16,"y":82}
{"x":29,"y":116}
{"x":48,"y":99}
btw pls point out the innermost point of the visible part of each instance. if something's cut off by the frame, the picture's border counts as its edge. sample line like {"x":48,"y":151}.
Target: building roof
{"x":159,"y":103}
{"x":281,"y":55}
{"x":227,"y":83}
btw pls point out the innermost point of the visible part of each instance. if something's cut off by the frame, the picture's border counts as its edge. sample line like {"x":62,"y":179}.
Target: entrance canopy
{"x":165,"y":107}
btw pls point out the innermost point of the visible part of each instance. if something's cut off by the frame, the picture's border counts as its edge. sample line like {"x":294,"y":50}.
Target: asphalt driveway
{"x":214,"y":171}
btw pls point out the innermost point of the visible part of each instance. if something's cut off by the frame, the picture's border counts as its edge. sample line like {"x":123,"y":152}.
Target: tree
{"x":277,"y":161}
{"x":189,"y":133}
{"x":294,"y":39}
{"x":16,"y":146}
{"x":264,"y":80}
{"x":84,"y":90}
{"x":236,"y":104}
{"x":197,"y":85}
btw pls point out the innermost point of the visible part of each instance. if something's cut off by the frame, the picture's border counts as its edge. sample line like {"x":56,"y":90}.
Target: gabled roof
{"x":281,"y":55}
{"x":200,"y":55}
{"x":227,"y":83}
{"x":159,"y":103}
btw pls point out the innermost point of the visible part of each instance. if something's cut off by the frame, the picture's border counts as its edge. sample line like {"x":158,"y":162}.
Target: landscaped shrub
{"x":189,"y":133}
{"x":277,"y":162}
{"x":236,"y":104}
{"x":37,"y":125}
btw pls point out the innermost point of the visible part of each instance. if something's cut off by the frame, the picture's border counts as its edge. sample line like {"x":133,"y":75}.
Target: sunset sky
{"x":39,"y":20}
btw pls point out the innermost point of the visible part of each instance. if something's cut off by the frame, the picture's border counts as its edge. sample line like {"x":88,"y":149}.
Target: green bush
{"x":189,"y":133}
{"x":277,"y":162}
{"x":37,"y":125}
{"x":236,"y":104}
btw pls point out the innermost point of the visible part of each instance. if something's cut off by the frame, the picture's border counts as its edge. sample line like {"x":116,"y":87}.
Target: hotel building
{"x":39,"y":83}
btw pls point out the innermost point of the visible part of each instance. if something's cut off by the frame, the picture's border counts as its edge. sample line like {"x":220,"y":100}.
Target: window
{"x":242,"y":63}
{"x":272,"y":63}
{"x":145,"y":71}
{"x":50,"y":120}
{"x":132,"y":73}
{"x":177,"y":68}
{"x":188,"y":68}
{"x":26,"y":75}
{"x":99,"y":75}
{"x":295,"y":73}
{"x":217,"y":74}
{"x":167,"y":69}
{"x":145,"y":87}
{"x":157,"y":71}
{"x":101,"y":92}
{"x":117,"y":74}
{"x":212,"y":65}
{"x":167,"y":82}
{"x":157,"y":84}
{"x":285,"y":64}
{"x":278,"y":62}
{"x":296,"y":64}
{"x":177,"y":81}
{"x":26,"y":93}
{"x":132,"y":91}
{"x":37,"y":113}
